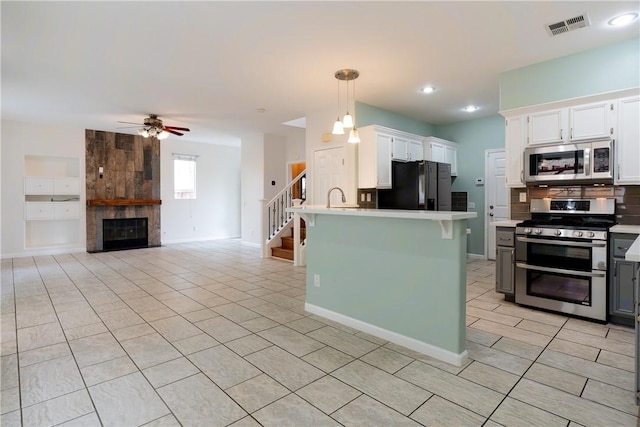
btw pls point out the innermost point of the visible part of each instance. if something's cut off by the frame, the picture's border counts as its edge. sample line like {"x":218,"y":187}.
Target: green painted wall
{"x":369,"y":115}
{"x":474,"y":137}
{"x":397,"y":274}
{"x":605,"y":69}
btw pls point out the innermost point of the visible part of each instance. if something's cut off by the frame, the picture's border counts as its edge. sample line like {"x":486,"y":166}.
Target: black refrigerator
{"x":422,"y":185}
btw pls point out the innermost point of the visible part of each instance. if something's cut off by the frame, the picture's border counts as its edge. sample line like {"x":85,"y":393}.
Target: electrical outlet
{"x":523,"y":197}
{"x":368,"y":197}
{"x":316,"y":280}
{"x":362,"y":196}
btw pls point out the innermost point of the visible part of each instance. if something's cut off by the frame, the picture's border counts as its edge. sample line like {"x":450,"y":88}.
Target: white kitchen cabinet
{"x":416,"y":152}
{"x":443,"y":151}
{"x":38,"y":211}
{"x":591,"y":121}
{"x":38,"y":186}
{"x":43,"y":186}
{"x":627,"y":146}
{"x":406,"y":149}
{"x":66,"y":186}
{"x":66,"y":210}
{"x":515,"y":141}
{"x":548,"y":126}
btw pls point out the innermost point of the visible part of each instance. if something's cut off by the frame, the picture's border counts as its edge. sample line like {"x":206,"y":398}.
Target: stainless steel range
{"x":561,"y":256}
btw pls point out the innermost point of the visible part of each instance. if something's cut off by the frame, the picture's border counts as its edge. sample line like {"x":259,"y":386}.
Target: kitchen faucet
{"x":344,"y":199}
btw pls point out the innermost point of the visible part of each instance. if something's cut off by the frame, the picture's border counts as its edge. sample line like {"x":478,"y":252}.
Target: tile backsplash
{"x":627,"y":199}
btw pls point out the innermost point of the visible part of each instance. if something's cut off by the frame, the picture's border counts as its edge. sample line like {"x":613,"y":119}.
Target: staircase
{"x":285,"y":250}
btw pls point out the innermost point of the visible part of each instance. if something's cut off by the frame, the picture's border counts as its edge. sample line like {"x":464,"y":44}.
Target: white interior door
{"x":496,"y":197}
{"x":328,"y":172}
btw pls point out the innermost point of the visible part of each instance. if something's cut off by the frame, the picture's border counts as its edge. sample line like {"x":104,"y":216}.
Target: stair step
{"x":282,"y":253}
{"x":287,"y":242}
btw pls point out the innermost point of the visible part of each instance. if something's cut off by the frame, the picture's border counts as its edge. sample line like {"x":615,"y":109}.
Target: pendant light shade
{"x":347,"y":121}
{"x":338,"y":128}
{"x":354,"y":136}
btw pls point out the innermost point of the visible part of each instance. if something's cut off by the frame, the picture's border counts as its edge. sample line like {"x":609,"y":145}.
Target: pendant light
{"x":348,"y":121}
{"x":338,"y":127}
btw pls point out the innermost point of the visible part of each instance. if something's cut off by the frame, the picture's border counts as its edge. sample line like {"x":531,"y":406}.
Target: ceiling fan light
{"x":338,"y":128}
{"x":354,"y":136}
{"x":163,"y":135}
{"x":143,"y":132}
{"x":347,"y":121}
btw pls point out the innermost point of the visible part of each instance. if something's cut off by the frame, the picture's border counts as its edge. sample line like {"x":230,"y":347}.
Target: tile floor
{"x":209,"y":334}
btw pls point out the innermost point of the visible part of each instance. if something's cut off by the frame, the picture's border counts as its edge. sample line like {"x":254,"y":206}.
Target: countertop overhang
{"x":444,"y":218}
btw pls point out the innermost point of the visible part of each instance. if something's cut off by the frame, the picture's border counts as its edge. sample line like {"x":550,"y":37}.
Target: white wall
{"x":252,"y":186}
{"x":20,"y":139}
{"x":215,"y":213}
{"x":275,"y":169}
{"x":296,"y":148}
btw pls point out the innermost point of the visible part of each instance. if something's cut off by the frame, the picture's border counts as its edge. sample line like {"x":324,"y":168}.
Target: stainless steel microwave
{"x":577,"y":163}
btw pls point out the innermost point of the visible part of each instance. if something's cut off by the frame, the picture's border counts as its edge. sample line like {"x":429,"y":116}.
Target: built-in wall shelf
{"x":124,"y":202}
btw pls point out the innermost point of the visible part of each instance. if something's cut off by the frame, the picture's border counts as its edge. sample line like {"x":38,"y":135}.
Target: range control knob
{"x":578,"y":233}
{"x":537,"y":231}
{"x":590,"y":234}
{"x":527,"y":231}
{"x":558,"y":232}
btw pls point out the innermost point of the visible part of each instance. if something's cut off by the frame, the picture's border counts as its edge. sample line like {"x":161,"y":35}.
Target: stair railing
{"x":275,"y":218}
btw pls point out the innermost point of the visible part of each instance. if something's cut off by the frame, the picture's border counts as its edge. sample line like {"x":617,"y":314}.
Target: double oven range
{"x":561,"y":256}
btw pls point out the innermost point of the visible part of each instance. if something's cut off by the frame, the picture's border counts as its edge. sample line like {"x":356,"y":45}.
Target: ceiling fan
{"x":153,"y":127}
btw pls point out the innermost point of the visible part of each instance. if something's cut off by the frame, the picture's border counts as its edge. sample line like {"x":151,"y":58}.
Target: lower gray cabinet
{"x":505,"y":271}
{"x":622,"y":281}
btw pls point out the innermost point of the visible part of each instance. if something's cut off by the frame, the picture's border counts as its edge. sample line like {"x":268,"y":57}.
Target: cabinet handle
{"x":571,"y":134}
{"x":618,"y":171}
{"x":615,"y":268}
{"x":611,"y":131}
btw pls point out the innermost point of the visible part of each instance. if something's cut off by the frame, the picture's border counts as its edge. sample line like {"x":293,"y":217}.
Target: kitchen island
{"x":396,"y":274}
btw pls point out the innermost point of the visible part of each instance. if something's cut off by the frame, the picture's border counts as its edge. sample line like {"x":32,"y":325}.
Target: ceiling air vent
{"x":568,"y":25}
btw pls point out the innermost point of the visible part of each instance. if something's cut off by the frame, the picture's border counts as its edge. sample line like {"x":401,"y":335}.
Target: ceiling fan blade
{"x":132,"y":123}
{"x":177,"y":128}
{"x":173,"y":132}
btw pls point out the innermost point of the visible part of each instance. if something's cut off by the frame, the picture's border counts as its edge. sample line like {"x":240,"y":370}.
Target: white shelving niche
{"x":51,"y":201}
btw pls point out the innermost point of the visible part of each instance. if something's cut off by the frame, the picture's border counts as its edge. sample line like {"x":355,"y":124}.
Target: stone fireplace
{"x":123,"y":182}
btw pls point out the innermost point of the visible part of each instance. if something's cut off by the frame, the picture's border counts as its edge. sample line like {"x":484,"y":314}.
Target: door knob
{"x":491,"y":207}
{"x":491,"y":214}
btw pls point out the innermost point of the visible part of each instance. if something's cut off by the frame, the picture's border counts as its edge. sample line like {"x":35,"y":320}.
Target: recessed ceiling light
{"x":428,"y":89}
{"x":261,"y":110}
{"x":622,"y":20}
{"x":470,"y":108}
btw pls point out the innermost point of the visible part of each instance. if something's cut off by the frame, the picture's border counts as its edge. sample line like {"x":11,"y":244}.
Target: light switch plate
{"x":523,"y":197}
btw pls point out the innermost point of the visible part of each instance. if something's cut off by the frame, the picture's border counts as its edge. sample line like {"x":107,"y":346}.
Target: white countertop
{"x":507,"y":223}
{"x":384,"y":213}
{"x":633,"y":254}
{"x":631,"y":229}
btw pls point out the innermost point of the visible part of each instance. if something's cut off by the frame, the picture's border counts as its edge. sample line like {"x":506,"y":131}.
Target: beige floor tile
{"x":569,"y":406}
{"x":150,"y":350}
{"x":586,"y":327}
{"x":85,"y":331}
{"x":440,"y":412}
{"x":58,"y":410}
{"x":328,"y":394}
{"x":127,"y":401}
{"x":9,"y":372}
{"x":196,"y":401}
{"x":481,"y":337}
{"x":46,"y":380}
{"x":9,"y":400}
{"x":328,"y":359}
{"x":277,"y":313}
{"x":235,"y":312}
{"x":343,"y":341}
{"x":488,"y":376}
{"x":484,"y":305}
{"x":493,"y":316}
{"x":364,"y":411}
{"x":144,"y":303}
{"x":391,"y":390}
{"x":541,"y":328}
{"x":40,"y":336}
{"x":11,"y":419}
{"x":574,"y":349}
{"x":96,"y":349}
{"x":557,"y":378}
{"x":257,"y":392}
{"x":285,"y":368}
{"x":248,"y":344}
{"x":182,"y":304}
{"x":627,"y":349}
{"x":622,"y":400}
{"x":195,"y":344}
{"x":617,"y":360}
{"x":511,"y":332}
{"x":452,"y":369}
{"x":259,"y":324}
{"x":594,"y":370}
{"x":222,"y":329}
{"x":498,"y":359}
{"x":453,"y":388}
{"x":75,"y":318}
{"x":224,"y":367}
{"x":512,"y":412}
{"x":292,"y":341}
{"x":166,"y":421}
{"x":197,"y":316}
{"x":305,"y":325}
{"x":43,"y":354}
{"x":168,"y":372}
{"x":518,"y":348}
{"x":121,"y":318}
{"x":622,"y":335}
{"x":528,"y":313}
{"x":292,"y":411}
{"x":387,"y":360}
{"x":108,"y":370}
{"x":175,"y":328}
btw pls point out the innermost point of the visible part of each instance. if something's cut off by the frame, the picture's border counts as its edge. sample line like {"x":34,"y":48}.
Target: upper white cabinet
{"x":378,"y":147}
{"x":406,"y":149}
{"x":515,"y":135}
{"x":591,"y":121}
{"x":576,"y":123}
{"x":547,"y":126}
{"x":443,"y":151}
{"x":40,"y":186}
{"x":627,"y":146}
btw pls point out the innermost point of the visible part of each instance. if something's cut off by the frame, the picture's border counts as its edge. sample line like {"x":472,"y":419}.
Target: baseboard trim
{"x":394,"y":337}
{"x":43,"y":252}
{"x":476,"y":256}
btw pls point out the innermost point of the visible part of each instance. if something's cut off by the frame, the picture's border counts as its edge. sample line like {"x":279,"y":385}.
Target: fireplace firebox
{"x":125,"y":233}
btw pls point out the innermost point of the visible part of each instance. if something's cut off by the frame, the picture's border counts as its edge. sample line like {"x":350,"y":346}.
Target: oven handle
{"x":558,"y":270}
{"x":562,"y":242}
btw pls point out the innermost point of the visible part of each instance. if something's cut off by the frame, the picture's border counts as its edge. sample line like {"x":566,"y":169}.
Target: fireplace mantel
{"x":123,"y":202}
